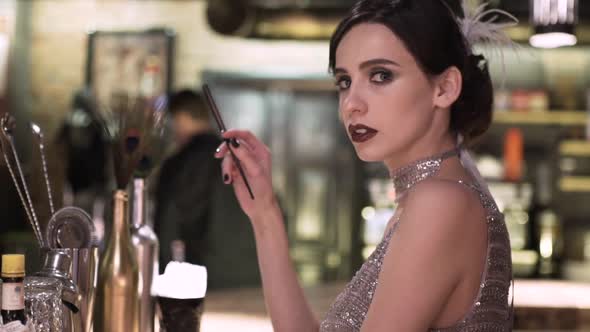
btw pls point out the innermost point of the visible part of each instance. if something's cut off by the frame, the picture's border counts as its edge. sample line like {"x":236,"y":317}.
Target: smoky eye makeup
{"x":381,"y":75}
{"x":342,"y":82}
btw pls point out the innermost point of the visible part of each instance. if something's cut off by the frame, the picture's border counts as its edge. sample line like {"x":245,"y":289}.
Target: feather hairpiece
{"x":480,"y":25}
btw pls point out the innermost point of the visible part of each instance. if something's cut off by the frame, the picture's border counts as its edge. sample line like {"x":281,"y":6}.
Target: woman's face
{"x":386,"y":100}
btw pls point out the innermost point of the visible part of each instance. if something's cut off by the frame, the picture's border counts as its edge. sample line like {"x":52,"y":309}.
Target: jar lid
{"x":13,"y":266}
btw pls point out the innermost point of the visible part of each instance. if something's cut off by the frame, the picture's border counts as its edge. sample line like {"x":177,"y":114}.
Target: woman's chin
{"x":369,"y":157}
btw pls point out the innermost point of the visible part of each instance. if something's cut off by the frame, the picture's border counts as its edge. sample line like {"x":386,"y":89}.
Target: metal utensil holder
{"x":77,"y":267}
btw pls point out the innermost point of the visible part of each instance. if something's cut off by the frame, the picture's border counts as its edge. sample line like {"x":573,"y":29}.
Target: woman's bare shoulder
{"x":446,"y":214}
{"x":447,"y":201}
{"x":429,"y":255}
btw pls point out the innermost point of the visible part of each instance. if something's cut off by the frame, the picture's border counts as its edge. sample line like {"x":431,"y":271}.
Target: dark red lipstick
{"x":360,"y":133}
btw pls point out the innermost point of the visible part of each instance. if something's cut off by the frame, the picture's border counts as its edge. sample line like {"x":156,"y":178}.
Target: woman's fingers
{"x":251,"y":165}
{"x":251,"y":154}
{"x":222,"y":149}
{"x":227,"y":169}
{"x":248,"y":137}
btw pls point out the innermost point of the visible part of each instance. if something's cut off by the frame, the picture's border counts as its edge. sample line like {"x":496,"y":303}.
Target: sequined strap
{"x":407,"y":176}
{"x":450,"y":153}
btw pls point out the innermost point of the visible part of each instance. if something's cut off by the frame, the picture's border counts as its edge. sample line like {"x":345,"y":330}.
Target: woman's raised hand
{"x":255,"y":159}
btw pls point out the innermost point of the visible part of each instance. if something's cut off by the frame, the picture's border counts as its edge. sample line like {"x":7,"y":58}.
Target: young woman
{"x":411,"y":91}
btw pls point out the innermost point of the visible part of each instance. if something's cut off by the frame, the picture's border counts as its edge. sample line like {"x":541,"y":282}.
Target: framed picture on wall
{"x":129,"y":62}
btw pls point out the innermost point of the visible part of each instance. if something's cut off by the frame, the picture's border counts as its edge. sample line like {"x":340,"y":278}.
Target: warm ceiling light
{"x":554,"y":22}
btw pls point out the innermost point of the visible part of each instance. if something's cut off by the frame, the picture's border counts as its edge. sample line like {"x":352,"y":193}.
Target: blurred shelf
{"x":578,"y":271}
{"x":524,"y":262}
{"x":575,"y":148}
{"x":551,"y":305}
{"x":574,"y":184}
{"x":562,"y":118}
{"x":540,"y":305}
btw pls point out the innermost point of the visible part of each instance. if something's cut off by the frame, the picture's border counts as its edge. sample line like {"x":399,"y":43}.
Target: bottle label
{"x":15,"y":326}
{"x":13,"y":296}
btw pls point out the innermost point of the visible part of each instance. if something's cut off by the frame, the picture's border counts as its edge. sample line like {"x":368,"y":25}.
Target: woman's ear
{"x":448,"y":87}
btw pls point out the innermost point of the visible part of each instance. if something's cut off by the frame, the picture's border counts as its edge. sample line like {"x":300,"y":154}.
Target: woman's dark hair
{"x":430,"y":31}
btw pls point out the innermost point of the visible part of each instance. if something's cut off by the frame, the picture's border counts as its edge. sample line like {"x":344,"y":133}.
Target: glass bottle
{"x":117,"y":307}
{"x":13,"y":293}
{"x":43,"y":304}
{"x":145,"y":244}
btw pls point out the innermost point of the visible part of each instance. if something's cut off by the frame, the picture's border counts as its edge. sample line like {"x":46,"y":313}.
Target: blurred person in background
{"x":413,"y":91}
{"x":197,"y":218}
{"x":85,"y":153}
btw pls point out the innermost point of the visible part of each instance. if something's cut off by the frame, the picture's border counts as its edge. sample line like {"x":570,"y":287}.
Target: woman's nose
{"x":353,"y":104}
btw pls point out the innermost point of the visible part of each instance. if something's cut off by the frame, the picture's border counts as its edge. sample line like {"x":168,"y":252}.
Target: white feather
{"x":477,"y":29}
{"x":481,"y":26}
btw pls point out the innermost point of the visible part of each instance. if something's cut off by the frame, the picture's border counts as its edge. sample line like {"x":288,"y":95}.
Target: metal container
{"x":77,"y":268}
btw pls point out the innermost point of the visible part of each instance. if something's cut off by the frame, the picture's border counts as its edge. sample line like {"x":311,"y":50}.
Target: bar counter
{"x":540,"y":306}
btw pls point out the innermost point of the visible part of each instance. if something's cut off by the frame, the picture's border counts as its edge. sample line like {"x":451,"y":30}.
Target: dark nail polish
{"x":225,"y":178}
{"x":235,"y":143}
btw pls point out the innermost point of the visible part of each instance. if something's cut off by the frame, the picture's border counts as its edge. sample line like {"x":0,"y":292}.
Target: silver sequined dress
{"x":491,"y":310}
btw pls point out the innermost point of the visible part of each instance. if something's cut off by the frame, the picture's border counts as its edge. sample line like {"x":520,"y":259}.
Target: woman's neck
{"x":420,"y":151}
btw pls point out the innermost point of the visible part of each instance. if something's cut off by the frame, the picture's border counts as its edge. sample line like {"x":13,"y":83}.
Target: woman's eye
{"x":381,"y":76}
{"x":343,"y":83}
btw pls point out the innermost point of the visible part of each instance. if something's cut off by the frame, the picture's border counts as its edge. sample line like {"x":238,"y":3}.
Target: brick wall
{"x":58,"y":50}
